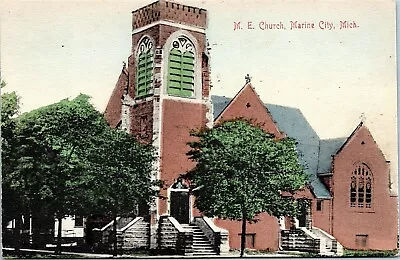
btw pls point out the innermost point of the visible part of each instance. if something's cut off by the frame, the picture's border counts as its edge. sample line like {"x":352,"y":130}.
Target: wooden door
{"x":179,"y":206}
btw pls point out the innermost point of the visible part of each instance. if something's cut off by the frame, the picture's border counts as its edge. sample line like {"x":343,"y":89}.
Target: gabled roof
{"x":113,"y":110}
{"x":350,"y":137}
{"x":328,"y":148}
{"x":361,"y":127}
{"x":292,"y":122}
{"x":219,"y":104}
{"x":254,"y":109}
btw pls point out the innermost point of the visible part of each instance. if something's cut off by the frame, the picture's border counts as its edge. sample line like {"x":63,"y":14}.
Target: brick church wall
{"x":248,"y":105}
{"x":262,"y":235}
{"x":175,"y":136}
{"x":178,"y":117}
{"x":174,"y":12}
{"x":321,"y":218}
{"x":363,"y":228}
{"x":142,"y":121}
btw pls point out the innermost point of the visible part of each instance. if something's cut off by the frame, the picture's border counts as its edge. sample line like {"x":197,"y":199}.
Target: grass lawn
{"x":369,"y":253}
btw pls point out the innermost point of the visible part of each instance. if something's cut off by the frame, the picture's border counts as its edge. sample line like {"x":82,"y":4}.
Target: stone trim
{"x":107,"y":226}
{"x":210,"y":112}
{"x":197,"y":94}
{"x":331,"y":242}
{"x":180,"y":26}
{"x":134,"y":235}
{"x":218,"y":237}
{"x":173,"y":238}
{"x":299,"y":240}
{"x":133,"y":222}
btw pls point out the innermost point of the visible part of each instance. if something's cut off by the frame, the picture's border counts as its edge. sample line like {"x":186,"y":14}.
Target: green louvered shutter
{"x":181,"y":73}
{"x":144,"y":74}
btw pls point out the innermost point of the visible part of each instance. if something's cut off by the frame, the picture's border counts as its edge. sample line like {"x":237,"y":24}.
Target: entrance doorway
{"x":179,"y":206}
{"x":304,"y":217}
{"x":179,"y":202}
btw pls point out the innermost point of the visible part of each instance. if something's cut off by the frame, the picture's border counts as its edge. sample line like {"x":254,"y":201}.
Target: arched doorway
{"x":179,"y":202}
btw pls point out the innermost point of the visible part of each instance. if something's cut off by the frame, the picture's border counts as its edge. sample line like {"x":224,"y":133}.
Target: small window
{"x":319,"y":205}
{"x":78,"y":221}
{"x":361,"y":240}
{"x":250,"y":239}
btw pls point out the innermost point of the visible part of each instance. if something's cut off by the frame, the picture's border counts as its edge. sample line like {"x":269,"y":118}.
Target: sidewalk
{"x":88,"y":255}
{"x":92,"y":255}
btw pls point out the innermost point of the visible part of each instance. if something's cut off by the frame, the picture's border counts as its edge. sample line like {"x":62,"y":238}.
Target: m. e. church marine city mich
{"x":164,"y":92}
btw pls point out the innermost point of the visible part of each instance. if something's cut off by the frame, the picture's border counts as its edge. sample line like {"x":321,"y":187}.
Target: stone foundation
{"x":172,"y":238}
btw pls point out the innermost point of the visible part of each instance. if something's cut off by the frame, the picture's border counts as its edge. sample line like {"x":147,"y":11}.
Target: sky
{"x":55,"y":49}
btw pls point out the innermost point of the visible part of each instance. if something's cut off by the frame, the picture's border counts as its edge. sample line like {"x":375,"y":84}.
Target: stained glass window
{"x":361,"y":187}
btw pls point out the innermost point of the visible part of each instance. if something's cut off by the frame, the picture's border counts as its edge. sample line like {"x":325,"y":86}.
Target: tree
{"x":50,"y":169}
{"x":11,"y":199}
{"x":121,"y":171}
{"x":242,"y":171}
{"x":9,"y":109}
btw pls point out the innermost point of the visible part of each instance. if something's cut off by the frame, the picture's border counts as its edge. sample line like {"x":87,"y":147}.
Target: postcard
{"x":199,"y":128}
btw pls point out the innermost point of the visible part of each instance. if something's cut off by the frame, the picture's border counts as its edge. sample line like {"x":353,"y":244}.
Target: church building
{"x":164,"y":92}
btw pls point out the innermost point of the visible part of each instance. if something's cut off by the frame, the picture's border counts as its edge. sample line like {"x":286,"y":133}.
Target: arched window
{"x":144,"y":68}
{"x":361,"y":187}
{"x":181,"y":68}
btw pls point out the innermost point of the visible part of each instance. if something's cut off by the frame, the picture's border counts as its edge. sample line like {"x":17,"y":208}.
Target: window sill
{"x":363,"y":211}
{"x":143,"y":96}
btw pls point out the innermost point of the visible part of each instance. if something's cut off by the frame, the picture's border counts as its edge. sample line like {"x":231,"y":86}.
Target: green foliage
{"x":12,"y":203}
{"x":240,"y":168}
{"x":67,"y":160}
{"x":9,"y":109}
{"x":120,"y":171}
{"x":50,"y":139}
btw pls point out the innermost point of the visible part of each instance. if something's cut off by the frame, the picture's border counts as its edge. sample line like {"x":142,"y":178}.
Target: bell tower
{"x":167,"y":90}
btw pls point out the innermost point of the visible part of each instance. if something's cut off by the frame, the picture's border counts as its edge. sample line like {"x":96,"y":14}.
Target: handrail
{"x":213,"y":227}
{"x":324,"y":233}
{"x":309,"y":233}
{"x":177,"y":225}
{"x":130,"y":224}
{"x":106,"y":226}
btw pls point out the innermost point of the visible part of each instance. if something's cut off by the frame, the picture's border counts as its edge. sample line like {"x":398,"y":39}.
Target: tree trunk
{"x":115,"y":251}
{"x":17,"y":235}
{"x":243,"y":236}
{"x":58,"y":247}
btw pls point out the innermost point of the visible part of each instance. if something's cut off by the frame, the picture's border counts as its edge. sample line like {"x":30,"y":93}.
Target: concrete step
{"x":198,"y":242}
{"x":202,"y":237}
{"x":203,"y":249}
{"x":209,"y":250}
{"x":327,"y":253}
{"x":198,"y":235}
{"x":201,"y":244}
{"x":204,"y":253}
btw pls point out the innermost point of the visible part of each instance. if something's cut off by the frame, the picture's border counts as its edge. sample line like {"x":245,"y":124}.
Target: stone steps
{"x":201,"y":245}
{"x":300,"y":241}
